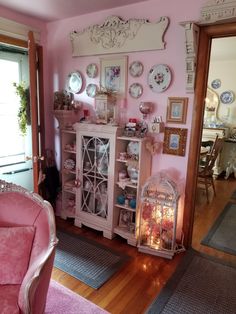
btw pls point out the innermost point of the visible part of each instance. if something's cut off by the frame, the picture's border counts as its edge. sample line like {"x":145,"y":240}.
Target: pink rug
{"x":61,"y":300}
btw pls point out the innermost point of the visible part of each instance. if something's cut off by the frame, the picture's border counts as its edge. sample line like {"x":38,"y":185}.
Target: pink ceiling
{"x":51,"y":10}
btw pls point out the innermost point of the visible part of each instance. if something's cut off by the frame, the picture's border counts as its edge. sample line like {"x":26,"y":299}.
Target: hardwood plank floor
{"x":206,"y":214}
{"x":135,"y":286}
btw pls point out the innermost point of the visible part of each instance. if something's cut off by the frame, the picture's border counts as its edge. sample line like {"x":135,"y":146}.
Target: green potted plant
{"x":24,"y":110}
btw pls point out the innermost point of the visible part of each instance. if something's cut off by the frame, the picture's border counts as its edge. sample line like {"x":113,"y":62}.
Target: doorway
{"x":207,"y":34}
{"x":16,"y":141}
{"x":219,"y":119}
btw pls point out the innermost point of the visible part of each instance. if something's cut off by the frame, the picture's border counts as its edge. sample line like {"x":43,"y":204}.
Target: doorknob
{"x":34,"y":158}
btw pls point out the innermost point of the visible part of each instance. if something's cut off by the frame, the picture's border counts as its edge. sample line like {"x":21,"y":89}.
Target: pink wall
{"x":59,"y":63}
{"x":24,"y":19}
{"x":62,"y":63}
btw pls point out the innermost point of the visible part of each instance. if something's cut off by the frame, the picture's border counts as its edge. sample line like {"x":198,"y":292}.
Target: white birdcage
{"x":158,"y":216}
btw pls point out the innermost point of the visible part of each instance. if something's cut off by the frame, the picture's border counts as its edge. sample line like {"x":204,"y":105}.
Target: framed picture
{"x":175,"y":141}
{"x":125,"y":218}
{"x":177,"y":109}
{"x":113,"y":74}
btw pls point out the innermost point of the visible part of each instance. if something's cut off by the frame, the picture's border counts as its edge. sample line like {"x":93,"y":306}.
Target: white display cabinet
{"x":133,"y":167}
{"x":95,"y":169}
{"x":68,"y":173}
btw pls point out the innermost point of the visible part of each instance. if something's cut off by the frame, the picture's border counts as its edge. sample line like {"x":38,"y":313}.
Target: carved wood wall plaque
{"x":116,"y":35}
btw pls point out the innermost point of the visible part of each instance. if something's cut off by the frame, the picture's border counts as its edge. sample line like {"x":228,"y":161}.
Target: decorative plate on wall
{"x":136,"y":69}
{"x":159,"y":78}
{"x":227,"y":97}
{"x":74,"y":82}
{"x":135,"y":90}
{"x":91,"y":90}
{"x":92,"y":70}
{"x":216,"y":83}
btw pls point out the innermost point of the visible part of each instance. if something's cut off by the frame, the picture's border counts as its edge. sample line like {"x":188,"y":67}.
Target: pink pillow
{"x":15,"y":248}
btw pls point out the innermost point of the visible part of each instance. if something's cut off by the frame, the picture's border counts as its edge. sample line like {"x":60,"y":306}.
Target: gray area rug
{"x":200,"y":285}
{"x":86,"y":260}
{"x":222,"y":235}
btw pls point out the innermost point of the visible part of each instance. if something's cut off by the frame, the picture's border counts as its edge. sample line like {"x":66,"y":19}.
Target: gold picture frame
{"x":175,"y":141}
{"x":177,"y":109}
{"x":113,"y":74}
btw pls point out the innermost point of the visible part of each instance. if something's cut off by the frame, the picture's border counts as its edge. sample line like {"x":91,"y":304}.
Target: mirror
{"x":211,"y":118}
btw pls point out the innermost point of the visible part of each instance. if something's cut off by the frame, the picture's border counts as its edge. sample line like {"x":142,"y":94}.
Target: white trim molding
{"x":116,"y":35}
{"x":17,"y":30}
{"x":218,"y":10}
{"x":214,"y":11}
{"x":191,"y":48}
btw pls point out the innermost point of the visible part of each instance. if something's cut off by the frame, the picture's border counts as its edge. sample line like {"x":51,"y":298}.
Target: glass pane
{"x":12,"y":143}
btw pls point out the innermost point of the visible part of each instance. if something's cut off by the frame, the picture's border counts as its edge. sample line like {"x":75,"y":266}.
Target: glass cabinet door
{"x":94,"y":176}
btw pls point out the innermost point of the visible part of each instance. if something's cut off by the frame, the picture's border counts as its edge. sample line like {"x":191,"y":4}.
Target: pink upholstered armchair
{"x":27,"y":249}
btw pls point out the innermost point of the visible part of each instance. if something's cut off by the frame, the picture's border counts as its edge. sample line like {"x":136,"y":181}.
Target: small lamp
{"x":145,"y":108}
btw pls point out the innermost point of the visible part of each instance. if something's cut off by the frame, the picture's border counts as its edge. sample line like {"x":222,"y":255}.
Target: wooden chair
{"x":205,"y":174}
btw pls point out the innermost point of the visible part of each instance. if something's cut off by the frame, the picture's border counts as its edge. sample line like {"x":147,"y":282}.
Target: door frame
{"x":40,"y":104}
{"x":206,"y":34}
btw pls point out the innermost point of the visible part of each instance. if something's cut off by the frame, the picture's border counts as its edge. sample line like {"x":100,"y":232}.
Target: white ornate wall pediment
{"x":116,"y":35}
{"x":218,"y":10}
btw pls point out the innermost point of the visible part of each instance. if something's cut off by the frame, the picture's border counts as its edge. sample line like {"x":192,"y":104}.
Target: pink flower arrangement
{"x":147,"y":211}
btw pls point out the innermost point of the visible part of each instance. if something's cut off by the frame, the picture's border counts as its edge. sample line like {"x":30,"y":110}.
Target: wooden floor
{"x":134,"y":287}
{"x":206,"y":214}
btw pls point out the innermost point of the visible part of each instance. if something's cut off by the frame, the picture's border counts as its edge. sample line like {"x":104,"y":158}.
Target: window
{"x":12,"y":148}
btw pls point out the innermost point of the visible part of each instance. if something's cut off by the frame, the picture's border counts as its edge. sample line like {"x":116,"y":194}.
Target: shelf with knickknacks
{"x":139,"y":129}
{"x":158,"y":217}
{"x":66,"y":109}
{"x":133,"y":165}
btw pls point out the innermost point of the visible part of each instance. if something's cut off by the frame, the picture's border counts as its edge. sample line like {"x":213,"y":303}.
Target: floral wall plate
{"x":136,"y":69}
{"x":92,"y":70}
{"x":159,"y":78}
{"x":74,"y":82}
{"x":216,"y":83}
{"x":227,"y":97}
{"x":91,"y":90}
{"x":136,"y":90}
